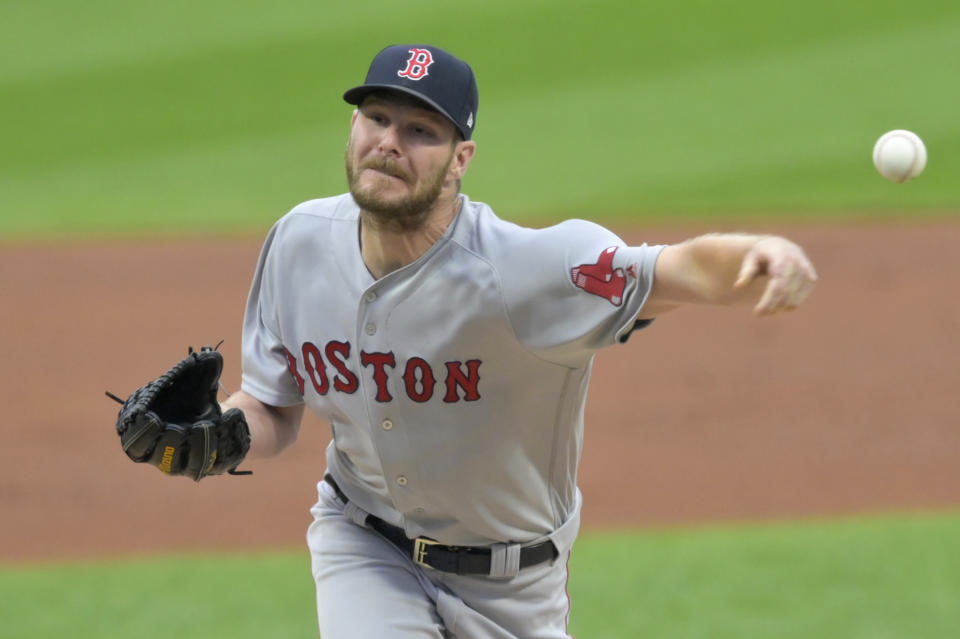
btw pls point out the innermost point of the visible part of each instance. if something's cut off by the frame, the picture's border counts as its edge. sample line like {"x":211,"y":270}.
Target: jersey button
{"x":370,"y":296}
{"x":402,"y":480}
{"x":387,"y":424}
{"x":371,"y":328}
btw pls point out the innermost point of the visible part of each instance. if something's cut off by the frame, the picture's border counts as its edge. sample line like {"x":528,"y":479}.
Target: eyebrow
{"x":412,"y":103}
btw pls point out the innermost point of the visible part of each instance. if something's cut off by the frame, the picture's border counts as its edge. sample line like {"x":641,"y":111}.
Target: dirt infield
{"x":847,"y":405}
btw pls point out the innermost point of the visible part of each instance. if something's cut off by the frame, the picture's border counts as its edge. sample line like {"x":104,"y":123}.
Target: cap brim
{"x":356,"y":95}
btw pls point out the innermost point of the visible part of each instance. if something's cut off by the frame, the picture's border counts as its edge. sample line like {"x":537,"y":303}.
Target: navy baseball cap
{"x":428,"y":73}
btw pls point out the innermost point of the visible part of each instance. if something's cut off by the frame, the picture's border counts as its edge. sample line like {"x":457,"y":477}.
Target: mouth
{"x":385,"y":169}
{"x":387,"y":174}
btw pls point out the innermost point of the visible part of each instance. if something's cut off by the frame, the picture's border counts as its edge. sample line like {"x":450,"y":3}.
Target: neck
{"x":386,"y":248}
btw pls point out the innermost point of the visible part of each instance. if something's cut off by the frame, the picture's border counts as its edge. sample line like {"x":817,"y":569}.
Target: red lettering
{"x":380,"y":361}
{"x":346,"y":381}
{"x":292,"y":365}
{"x":467,"y":381}
{"x":419,"y":380}
{"x":316,"y":369}
{"x":418,"y":65}
{"x":417,"y":365}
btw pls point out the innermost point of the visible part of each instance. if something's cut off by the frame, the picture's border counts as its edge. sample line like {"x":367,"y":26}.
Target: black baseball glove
{"x":175,"y":422}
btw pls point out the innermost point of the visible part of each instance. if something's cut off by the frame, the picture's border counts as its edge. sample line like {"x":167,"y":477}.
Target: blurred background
{"x":218,"y":116}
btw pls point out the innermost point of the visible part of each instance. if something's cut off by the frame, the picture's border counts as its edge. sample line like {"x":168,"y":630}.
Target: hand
{"x":790,"y":272}
{"x":175,"y":423}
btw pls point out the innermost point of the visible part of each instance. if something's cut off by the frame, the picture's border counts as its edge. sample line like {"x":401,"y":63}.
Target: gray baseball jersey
{"x":455,"y":386}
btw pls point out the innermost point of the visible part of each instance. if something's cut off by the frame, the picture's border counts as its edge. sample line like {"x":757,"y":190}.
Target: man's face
{"x":399,"y":159}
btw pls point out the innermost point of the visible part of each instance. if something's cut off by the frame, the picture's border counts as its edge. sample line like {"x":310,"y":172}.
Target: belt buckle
{"x":420,"y":546}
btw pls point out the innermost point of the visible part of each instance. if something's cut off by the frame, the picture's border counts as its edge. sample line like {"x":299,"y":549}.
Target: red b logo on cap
{"x":420,"y":60}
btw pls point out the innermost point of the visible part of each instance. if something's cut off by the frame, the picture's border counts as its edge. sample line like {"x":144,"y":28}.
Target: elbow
{"x":286,"y":426}
{"x":273,"y":429}
{"x":286,"y":436}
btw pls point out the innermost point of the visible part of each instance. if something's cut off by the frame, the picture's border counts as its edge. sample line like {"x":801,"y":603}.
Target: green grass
{"x":876,"y":578}
{"x":218,"y":116}
{"x":856,"y":578}
{"x":256,"y":596}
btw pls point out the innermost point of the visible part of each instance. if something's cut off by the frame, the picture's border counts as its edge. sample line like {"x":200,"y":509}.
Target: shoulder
{"x":575,"y":232}
{"x":532,"y":262}
{"x":337,"y":207}
{"x":323,"y":215}
{"x":308,"y":227}
{"x":485,"y":233}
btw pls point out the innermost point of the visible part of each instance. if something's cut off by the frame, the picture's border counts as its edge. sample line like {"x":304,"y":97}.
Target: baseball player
{"x":450,"y":351}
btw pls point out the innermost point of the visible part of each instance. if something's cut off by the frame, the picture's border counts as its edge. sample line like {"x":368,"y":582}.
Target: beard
{"x":406,"y":213}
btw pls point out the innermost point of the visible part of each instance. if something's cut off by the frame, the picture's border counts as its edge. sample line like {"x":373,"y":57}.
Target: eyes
{"x":419,"y":129}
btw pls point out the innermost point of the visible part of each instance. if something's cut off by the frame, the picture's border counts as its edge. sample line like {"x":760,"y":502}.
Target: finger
{"x":792,"y":293}
{"x":797,"y":297}
{"x":748,"y":271}
{"x":803,"y":282}
{"x":771,"y":294}
{"x":783,"y":292}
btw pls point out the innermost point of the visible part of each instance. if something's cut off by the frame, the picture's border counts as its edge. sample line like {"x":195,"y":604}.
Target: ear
{"x":462,"y":156}
{"x":353,"y":118}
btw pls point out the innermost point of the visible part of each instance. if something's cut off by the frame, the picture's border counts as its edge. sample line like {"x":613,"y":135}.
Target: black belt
{"x":460,"y":560}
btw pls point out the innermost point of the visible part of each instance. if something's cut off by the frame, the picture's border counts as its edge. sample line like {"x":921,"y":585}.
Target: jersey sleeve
{"x":266,"y":372}
{"x":575,"y":288}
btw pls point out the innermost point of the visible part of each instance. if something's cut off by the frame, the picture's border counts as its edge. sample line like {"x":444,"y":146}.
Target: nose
{"x":389,"y":142}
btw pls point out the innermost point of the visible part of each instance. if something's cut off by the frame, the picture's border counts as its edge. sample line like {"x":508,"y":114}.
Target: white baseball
{"x":899,"y":155}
